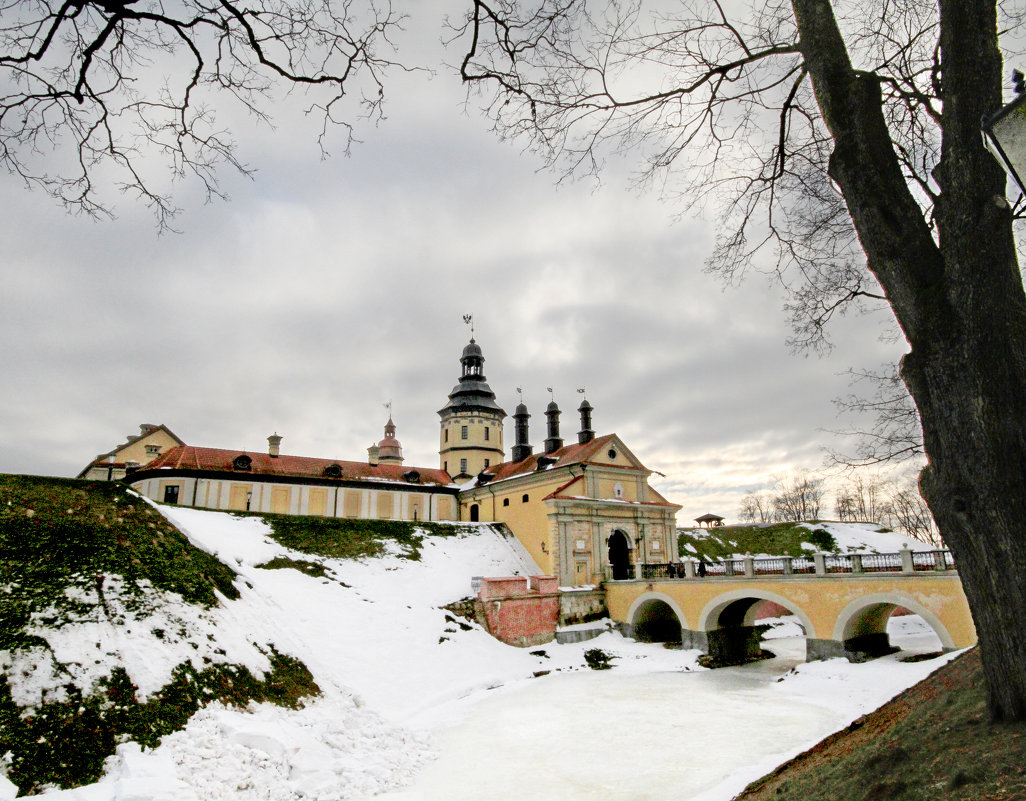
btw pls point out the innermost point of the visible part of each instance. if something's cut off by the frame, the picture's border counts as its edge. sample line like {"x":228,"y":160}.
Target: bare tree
{"x":842,"y":143}
{"x":861,"y":499}
{"x":96,"y":93}
{"x":756,"y":507}
{"x":908,"y":513}
{"x":798,"y":497}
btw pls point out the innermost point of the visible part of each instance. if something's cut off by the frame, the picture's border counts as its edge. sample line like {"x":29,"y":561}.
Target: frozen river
{"x":680,"y":734}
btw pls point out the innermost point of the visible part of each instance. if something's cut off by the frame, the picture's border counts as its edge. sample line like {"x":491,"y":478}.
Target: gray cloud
{"x":326,"y":288}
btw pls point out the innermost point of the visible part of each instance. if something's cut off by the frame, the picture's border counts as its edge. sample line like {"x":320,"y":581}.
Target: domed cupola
{"x":390,"y":451}
{"x":472,"y":392}
{"x":471,"y":433}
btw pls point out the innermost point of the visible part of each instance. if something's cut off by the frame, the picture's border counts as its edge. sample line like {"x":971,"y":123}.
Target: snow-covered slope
{"x":395,"y":669}
{"x":774,"y":539}
{"x":372,"y":633}
{"x":867,"y":538}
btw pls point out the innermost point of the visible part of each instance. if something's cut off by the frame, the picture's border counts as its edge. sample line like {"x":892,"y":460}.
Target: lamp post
{"x":1004,"y":134}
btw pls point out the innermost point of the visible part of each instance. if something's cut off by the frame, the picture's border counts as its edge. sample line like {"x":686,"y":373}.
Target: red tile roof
{"x":190,"y":457}
{"x":568,"y":454}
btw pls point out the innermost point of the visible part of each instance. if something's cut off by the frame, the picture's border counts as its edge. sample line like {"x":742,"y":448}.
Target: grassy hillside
{"x":87,"y":553}
{"x":779,"y":539}
{"x":934,"y":741}
{"x":343,"y":538}
{"x":60,"y":533}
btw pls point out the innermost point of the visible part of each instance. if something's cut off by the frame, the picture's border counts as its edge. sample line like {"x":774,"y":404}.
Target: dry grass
{"x":934,"y":741}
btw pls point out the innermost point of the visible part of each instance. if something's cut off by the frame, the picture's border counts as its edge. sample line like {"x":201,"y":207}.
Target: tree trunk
{"x":959,"y":300}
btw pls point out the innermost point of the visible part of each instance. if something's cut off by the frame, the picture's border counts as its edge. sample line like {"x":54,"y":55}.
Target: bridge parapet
{"x":906,"y":562}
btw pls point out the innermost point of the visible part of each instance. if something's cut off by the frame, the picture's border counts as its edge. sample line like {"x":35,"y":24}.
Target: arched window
{"x":524,"y":499}
{"x":242,"y":462}
{"x":474,"y":513}
{"x":618,"y":491}
{"x":505,"y":501}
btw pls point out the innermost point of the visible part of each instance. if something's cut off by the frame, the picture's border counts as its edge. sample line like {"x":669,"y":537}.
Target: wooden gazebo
{"x":709,"y":521}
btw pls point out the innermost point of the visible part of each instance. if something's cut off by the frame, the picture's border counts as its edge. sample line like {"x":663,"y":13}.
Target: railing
{"x":881,"y":562}
{"x":839,"y":564}
{"x":906,"y":562}
{"x":933,"y":560}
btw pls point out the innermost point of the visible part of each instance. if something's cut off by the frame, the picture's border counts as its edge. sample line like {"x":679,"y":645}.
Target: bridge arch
{"x":656,"y":617}
{"x":863,"y":622}
{"x":728,"y":624}
{"x":738,"y":608}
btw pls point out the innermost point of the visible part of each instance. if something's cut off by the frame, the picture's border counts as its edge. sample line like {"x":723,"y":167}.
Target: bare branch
{"x":90,"y":72}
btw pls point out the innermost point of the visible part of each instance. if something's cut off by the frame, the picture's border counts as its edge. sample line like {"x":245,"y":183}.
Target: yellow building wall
{"x":606,"y":488}
{"x":136,"y":451}
{"x":133,"y":452}
{"x":238,"y":495}
{"x":317,"y":504}
{"x":529,"y":521}
{"x":301,"y":499}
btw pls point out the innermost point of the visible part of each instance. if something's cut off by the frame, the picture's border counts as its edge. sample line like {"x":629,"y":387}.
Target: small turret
{"x":521,"y":450}
{"x":586,"y":434}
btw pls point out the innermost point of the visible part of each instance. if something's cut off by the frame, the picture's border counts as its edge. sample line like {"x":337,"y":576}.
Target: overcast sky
{"x":325,"y":289}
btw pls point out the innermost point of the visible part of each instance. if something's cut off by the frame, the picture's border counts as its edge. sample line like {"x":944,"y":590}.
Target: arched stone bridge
{"x":842,"y":602}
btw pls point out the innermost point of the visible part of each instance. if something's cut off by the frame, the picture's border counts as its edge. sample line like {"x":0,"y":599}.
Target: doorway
{"x":620,"y":556}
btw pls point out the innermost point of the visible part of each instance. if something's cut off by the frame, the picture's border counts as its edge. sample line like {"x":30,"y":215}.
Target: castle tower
{"x":471,"y":435}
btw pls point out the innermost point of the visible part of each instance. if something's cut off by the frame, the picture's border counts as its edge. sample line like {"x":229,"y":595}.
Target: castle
{"x":584,"y":511}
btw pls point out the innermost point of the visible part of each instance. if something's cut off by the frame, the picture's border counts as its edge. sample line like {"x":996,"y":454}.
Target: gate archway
{"x":620,"y":556}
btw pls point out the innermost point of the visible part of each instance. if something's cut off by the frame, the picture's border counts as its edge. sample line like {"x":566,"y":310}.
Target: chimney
{"x":372,"y":455}
{"x":273,"y":442}
{"x":521,"y":450}
{"x":553,"y":442}
{"x":586,"y":434}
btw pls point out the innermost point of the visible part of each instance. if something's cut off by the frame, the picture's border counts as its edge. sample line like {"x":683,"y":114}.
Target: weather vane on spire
{"x":520,"y":394}
{"x":389,"y":407}
{"x":551,"y":395}
{"x":469,"y":320}
{"x":580,"y":390}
